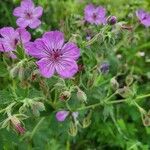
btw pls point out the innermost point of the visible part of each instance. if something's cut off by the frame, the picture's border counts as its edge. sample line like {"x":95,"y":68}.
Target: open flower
{"x":54,"y":55}
{"x":11,"y":38}
{"x":62,"y":115}
{"x":95,"y":15}
{"x":28,"y":14}
{"x":144,"y":17}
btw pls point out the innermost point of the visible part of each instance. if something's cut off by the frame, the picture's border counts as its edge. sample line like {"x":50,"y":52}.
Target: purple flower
{"x":10,"y":38}
{"x":144,"y":17}
{"x":62,"y":115}
{"x":54,"y":55}
{"x":28,"y":14}
{"x":95,"y":15}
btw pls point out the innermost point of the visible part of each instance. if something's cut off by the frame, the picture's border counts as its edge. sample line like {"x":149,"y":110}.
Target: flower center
{"x":56,"y":54}
{"x":94,"y":16}
{"x":28,"y":15}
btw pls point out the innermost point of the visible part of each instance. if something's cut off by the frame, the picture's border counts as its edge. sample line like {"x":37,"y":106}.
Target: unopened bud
{"x":129,"y":80}
{"x":81,"y":96}
{"x":17,"y":125}
{"x":73,"y":129}
{"x":87,"y":120}
{"x":114,"y":84}
{"x":37,"y":107}
{"x":111,"y":20}
{"x":14,"y":71}
{"x":125,"y":92}
{"x":21,"y":74}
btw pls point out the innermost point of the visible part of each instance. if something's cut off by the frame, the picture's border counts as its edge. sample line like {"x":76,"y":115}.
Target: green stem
{"x":113,"y":102}
{"x":36,"y":127}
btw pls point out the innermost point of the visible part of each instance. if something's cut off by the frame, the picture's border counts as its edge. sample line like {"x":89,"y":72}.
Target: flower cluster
{"x":53,"y":55}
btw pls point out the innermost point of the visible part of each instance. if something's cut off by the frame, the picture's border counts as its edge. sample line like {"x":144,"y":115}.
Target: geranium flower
{"x":62,"y":115}
{"x":95,"y":15}
{"x":10,"y":38}
{"x":28,"y":14}
{"x":54,"y":55}
{"x":144,"y":17}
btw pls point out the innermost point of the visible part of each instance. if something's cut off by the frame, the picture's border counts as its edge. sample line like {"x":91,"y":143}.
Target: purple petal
{"x":5,"y":45}
{"x":24,"y":35}
{"x":27,"y":4}
{"x":8,"y":32}
{"x":38,"y":11}
{"x":18,"y":12}
{"x":66,"y":68}
{"x":36,"y":49}
{"x":140,"y":14}
{"x":46,"y":67}
{"x":61,"y":115}
{"x":88,"y":12}
{"x":146,"y":22}
{"x":21,"y":22}
{"x":71,"y":50}
{"x":54,"y":40}
{"x":35,"y":23}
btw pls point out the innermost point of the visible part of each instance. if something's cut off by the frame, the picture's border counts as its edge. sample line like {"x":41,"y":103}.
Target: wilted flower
{"x":11,"y":38}
{"x":54,"y":55}
{"x":144,"y":17}
{"x":28,"y":14}
{"x":64,"y":96}
{"x":95,"y":15}
{"x":61,"y":115}
{"x":112,"y":20}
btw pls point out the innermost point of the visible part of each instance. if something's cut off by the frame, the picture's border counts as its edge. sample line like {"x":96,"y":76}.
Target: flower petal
{"x":71,"y":50}
{"x":7,"y":32}
{"x":24,"y":35}
{"x":61,"y":115}
{"x":18,"y":12}
{"x":21,"y":22}
{"x":36,"y":49}
{"x":38,"y":11}
{"x":35,"y":23}
{"x":66,"y":68}
{"x":27,"y":4}
{"x":140,"y":14}
{"x":54,"y":40}
{"x":46,"y":67}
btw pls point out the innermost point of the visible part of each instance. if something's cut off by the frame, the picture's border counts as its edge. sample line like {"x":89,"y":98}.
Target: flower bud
{"x":14,"y":71}
{"x":87,"y":120}
{"x":64,"y":96}
{"x":104,"y":68}
{"x":146,"y":121}
{"x":37,"y":107}
{"x":111,"y":20}
{"x":17,"y":125}
{"x":73,"y":129}
{"x":21,"y":74}
{"x":62,"y":115}
{"x":125,"y":92}
{"x":129,"y":80}
{"x":81,"y":96}
{"x":114,"y":84}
